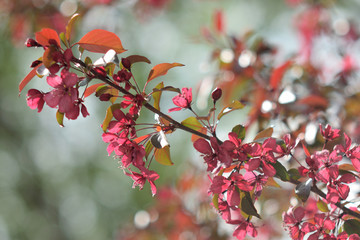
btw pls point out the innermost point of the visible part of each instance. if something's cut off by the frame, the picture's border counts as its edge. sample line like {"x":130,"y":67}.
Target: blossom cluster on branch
{"x":239,"y":168}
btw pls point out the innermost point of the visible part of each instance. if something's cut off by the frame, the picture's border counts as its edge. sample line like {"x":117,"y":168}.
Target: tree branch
{"x":146,"y":104}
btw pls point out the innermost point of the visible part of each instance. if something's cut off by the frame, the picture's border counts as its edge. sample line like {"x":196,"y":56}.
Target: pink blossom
{"x":328,"y":133}
{"x":182,"y":100}
{"x":353,"y":154}
{"x":35,"y":99}
{"x":141,"y":178}
{"x":65,"y":94}
{"x":215,"y":154}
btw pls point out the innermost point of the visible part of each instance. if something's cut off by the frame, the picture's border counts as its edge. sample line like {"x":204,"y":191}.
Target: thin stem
{"x":147,"y":105}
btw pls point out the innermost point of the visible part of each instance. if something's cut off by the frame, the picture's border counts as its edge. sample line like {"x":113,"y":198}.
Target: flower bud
{"x":105,"y":97}
{"x":32,"y":43}
{"x":35,"y":63}
{"x":126,"y":63}
{"x":216,"y":94}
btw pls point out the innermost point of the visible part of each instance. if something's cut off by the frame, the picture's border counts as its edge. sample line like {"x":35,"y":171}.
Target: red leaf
{"x":161,"y":69}
{"x":307,"y":153}
{"x":314,"y":101}
{"x":90,"y":90}
{"x":28,"y":78}
{"x":219,"y":21}
{"x":137,"y":58}
{"x":45,"y":35}
{"x":100,"y":41}
{"x":278,"y":74}
{"x":142,"y":138}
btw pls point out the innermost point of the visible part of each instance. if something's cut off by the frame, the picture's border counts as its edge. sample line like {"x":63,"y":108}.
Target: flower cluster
{"x":65,"y":95}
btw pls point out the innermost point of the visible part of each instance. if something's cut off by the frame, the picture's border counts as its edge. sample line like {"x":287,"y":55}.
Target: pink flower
{"x":245,"y":228}
{"x":65,"y":94}
{"x":329,"y":169}
{"x":141,"y":178}
{"x":292,"y":221}
{"x":215,"y":154}
{"x":35,"y":99}
{"x":353,"y":154}
{"x":124,"y":124}
{"x":322,"y":225}
{"x":183,"y":100}
{"x":328,"y":133}
{"x":131,"y":153}
{"x":135,"y":103}
{"x":338,"y":188}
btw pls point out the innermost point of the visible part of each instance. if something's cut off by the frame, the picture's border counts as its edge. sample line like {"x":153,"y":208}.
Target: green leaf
{"x":109,"y":115}
{"x":294,"y":174}
{"x":88,"y":61}
{"x":70,"y":25}
{"x":167,"y":88}
{"x":162,"y":156}
{"x":281,"y":171}
{"x":266,"y":133}
{"x":247,"y":206}
{"x":229,"y":108}
{"x":157,"y":95}
{"x":240,"y":131}
{"x":63,"y":40}
{"x":193,"y":123}
{"x":215,"y":201}
{"x":101,"y":89}
{"x":148,"y":148}
{"x":322,"y":206}
{"x":110,"y":68}
{"x":352,"y":226}
{"x":60,"y":118}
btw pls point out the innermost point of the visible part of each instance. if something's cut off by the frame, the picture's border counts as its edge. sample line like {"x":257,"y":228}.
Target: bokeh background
{"x":58,"y":183}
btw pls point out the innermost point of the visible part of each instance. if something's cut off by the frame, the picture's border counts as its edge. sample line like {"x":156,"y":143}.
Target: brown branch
{"x":317,"y":191}
{"x":146,"y":104}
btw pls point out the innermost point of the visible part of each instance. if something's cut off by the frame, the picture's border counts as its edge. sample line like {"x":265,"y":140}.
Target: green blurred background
{"x":59,"y":183}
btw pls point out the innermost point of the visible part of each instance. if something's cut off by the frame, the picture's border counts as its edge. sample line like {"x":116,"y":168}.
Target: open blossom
{"x":183,"y":100}
{"x":323,"y":224}
{"x":328,"y":133}
{"x":293,"y":220}
{"x":215,"y":154}
{"x":221,"y":184}
{"x":244,"y":228}
{"x":141,"y":178}
{"x":338,"y":187}
{"x":353,"y":154}
{"x":65,"y":94}
{"x":35,"y":99}
{"x":135,"y":103}
{"x":131,"y":153}
{"x":124,"y":124}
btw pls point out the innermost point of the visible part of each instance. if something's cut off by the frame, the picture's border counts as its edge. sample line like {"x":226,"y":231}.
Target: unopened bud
{"x":216,"y":94}
{"x":32,"y":43}
{"x":101,"y":71}
{"x":126,"y":63}
{"x":105,"y":97}
{"x":35,"y":63}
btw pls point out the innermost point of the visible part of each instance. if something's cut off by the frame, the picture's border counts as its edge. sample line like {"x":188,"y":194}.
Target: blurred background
{"x":59,"y":183}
